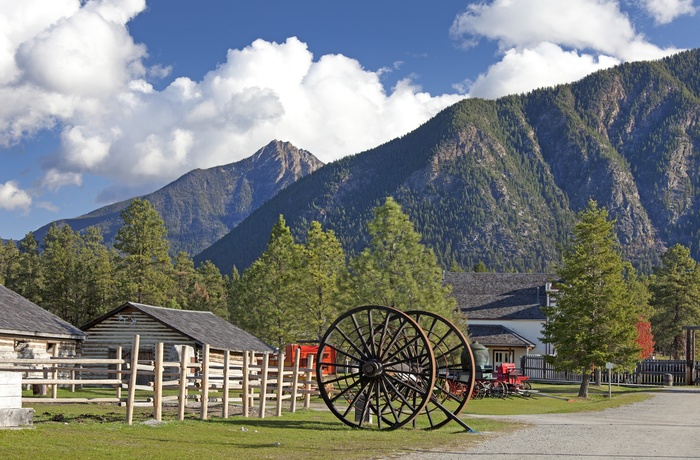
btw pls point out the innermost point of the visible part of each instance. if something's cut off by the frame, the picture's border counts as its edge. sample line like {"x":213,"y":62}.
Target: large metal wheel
{"x":376,"y":367}
{"x":454,"y":372}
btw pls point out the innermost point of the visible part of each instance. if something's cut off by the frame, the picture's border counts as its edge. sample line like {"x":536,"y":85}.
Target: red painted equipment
{"x":304,"y":352}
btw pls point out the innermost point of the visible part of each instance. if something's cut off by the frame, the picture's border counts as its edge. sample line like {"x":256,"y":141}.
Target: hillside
{"x":501,"y":181}
{"x":205,"y":204}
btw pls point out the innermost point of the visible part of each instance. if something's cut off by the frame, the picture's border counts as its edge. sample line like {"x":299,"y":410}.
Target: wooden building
{"x":504,"y":311}
{"x":174,"y":328}
{"x":29,"y":331}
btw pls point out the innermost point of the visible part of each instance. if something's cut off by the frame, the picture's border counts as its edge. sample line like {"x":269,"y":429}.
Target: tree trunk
{"x":585,"y":380}
{"x":598,"y":379}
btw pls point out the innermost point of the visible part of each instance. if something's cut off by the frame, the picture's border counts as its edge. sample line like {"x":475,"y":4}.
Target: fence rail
{"x":647,"y":372}
{"x":253,"y":382}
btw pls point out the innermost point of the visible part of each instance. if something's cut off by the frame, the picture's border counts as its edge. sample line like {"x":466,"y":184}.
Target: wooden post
{"x":182,"y":395}
{"x":263,"y":384}
{"x":205,"y":382}
{"x":309,"y":378}
{"x":246,"y":384}
{"x":280,"y":383}
{"x":119,"y":372}
{"x":295,"y":380}
{"x":225,"y":389}
{"x":158,"y":383}
{"x":132,"y":380}
{"x":54,"y":373}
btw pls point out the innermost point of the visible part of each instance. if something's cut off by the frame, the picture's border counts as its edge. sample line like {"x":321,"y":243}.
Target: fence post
{"x":280,"y":383}
{"x":246,"y":383}
{"x":158,"y":383}
{"x":118,"y":376}
{"x":205,"y":382}
{"x":263,"y":385}
{"x":132,"y":380}
{"x":54,"y":373}
{"x":182,"y":396}
{"x":225,"y":389}
{"x":295,"y":380}
{"x":309,"y":377}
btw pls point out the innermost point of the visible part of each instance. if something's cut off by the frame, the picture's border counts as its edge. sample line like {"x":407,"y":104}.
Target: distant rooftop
{"x":500,"y":295}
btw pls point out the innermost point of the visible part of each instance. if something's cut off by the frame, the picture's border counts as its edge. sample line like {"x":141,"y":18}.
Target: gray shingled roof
{"x":497,"y":335}
{"x":500,"y":295}
{"x":201,"y":326}
{"x":22,"y":316}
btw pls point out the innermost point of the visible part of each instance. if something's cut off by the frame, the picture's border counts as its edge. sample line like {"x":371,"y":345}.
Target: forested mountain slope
{"x":501,"y":181}
{"x":205,"y":204}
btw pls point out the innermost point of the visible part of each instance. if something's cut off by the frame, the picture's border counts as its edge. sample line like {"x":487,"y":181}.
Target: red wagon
{"x":513,"y":379}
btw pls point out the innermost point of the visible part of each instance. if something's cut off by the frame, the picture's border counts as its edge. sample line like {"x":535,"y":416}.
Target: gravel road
{"x":666,"y":426}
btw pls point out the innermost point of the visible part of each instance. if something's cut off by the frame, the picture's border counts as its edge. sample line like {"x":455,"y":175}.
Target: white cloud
{"x":55,"y":179}
{"x":12,"y":197}
{"x":665,"y":11}
{"x":548,"y":42}
{"x":80,"y":71}
{"x":544,"y":65}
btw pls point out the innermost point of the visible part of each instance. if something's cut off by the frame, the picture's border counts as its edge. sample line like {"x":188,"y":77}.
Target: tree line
{"x":606,"y":311}
{"x":291,"y":293}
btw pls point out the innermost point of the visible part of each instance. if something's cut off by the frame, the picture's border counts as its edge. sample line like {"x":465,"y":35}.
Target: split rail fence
{"x":261,"y":378}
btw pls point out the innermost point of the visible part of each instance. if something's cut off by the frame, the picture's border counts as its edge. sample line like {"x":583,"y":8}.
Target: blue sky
{"x":105,"y":100}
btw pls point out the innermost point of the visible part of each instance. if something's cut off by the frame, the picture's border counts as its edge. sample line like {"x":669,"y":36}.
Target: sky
{"x":105,"y":100}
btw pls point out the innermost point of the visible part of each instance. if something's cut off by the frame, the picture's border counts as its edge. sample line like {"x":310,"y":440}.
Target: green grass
{"x":96,"y":431}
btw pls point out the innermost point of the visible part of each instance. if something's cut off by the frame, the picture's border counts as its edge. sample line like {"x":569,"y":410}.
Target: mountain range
{"x":205,"y":204}
{"x":501,"y":181}
{"x":498,"y":181}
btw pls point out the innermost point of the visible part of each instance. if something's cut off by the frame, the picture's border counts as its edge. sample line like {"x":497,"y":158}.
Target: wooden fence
{"x":647,"y":372}
{"x":259,"y":379}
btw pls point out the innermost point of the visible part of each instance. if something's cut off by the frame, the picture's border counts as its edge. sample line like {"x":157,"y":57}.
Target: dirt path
{"x":666,"y":426}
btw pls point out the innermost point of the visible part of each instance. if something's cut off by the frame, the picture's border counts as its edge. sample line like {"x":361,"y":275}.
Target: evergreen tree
{"x":396,"y":270}
{"x":208,"y":291}
{"x":145,"y":265}
{"x":480,"y":267}
{"x":323,"y":269}
{"x":9,"y":261}
{"x":675,"y":289}
{"x":184,"y":276}
{"x":593,"y":322}
{"x":97,"y":274}
{"x":26,"y":279}
{"x":267,"y":297}
{"x":60,"y":268}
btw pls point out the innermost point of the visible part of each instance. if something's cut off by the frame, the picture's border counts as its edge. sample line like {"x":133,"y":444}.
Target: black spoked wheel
{"x":527,"y":389}
{"x":498,"y":390}
{"x":454,"y":371}
{"x":375,"y":368}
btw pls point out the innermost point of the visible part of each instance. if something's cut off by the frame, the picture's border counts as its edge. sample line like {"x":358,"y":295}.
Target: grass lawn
{"x":95,"y":431}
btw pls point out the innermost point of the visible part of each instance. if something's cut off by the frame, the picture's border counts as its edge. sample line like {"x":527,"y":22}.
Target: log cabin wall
{"x":119,"y":330}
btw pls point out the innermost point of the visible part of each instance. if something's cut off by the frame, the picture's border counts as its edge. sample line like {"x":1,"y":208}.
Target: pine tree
{"x":675,"y":289}
{"x":145,"y":265}
{"x":9,"y":261}
{"x":59,"y":265}
{"x":593,"y":323}
{"x":396,"y":270}
{"x":97,"y":274}
{"x":267,"y":297}
{"x":323,"y":267}
{"x":26,"y":278}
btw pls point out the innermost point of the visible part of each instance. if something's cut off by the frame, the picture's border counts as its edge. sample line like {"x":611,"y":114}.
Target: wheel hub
{"x":372,"y":368}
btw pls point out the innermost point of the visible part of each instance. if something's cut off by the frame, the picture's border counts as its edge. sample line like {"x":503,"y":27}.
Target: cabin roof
{"x":498,"y":335}
{"x":20,"y":316}
{"x":203,"y":327}
{"x":501,"y":296}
